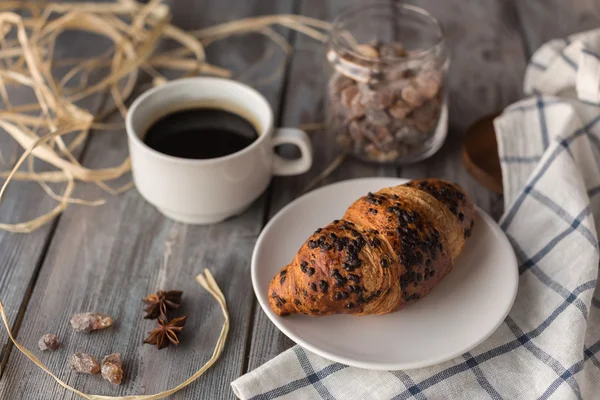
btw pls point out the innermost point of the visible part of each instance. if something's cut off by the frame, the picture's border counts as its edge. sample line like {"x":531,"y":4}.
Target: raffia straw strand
{"x":57,"y":197}
{"x":117,"y":191}
{"x":312,"y":126}
{"x":207,"y":281}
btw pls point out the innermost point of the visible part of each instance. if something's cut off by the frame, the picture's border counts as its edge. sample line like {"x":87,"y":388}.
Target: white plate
{"x":462,"y":311}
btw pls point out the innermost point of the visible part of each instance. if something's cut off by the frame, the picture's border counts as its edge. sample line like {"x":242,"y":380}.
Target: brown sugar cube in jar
{"x":347,"y":95}
{"x":428,"y":84}
{"x":377,"y":97}
{"x":386,"y":96}
{"x":399,"y":110}
{"x":412,"y":96}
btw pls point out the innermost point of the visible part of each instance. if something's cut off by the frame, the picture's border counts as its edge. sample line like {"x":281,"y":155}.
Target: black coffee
{"x":200,"y":133}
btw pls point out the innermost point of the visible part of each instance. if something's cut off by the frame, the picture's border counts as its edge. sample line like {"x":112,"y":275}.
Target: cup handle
{"x":297,"y":137}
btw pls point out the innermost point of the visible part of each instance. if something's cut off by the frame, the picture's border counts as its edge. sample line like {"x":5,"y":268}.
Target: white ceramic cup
{"x":207,"y":191}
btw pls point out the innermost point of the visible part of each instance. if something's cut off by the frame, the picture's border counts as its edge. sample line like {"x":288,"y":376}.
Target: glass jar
{"x":386,"y":93}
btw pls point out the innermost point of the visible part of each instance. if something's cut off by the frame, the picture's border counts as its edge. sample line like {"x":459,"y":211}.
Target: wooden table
{"x":107,"y":258}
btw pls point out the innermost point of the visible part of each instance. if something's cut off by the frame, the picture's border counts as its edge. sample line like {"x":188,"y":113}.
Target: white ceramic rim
{"x":173,"y":85}
{"x":374,"y":365}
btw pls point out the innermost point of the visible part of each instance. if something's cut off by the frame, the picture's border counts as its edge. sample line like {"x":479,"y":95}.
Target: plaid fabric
{"x":549,"y":345}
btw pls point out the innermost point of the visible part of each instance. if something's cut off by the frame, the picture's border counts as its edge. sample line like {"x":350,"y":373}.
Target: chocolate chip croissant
{"x":388,"y":251}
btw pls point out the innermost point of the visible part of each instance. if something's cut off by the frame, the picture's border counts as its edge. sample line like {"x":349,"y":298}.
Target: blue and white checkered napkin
{"x":549,"y":345}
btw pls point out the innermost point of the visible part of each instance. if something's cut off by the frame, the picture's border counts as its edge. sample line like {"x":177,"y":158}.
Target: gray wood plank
{"x":108,"y":258}
{"x":488,"y":63}
{"x":542,"y":20}
{"x":21,"y":254}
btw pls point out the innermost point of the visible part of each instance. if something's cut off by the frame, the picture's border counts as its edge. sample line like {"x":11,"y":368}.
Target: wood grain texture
{"x":542,"y":20}
{"x":107,"y":258}
{"x":21,"y":254}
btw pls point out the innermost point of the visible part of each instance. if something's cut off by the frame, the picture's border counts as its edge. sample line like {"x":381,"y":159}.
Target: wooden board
{"x":482,"y":53}
{"x":542,"y":20}
{"x":21,"y":255}
{"x":107,"y":258}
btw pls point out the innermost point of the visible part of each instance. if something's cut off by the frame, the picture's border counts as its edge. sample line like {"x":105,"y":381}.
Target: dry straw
{"x":208,"y":282}
{"x":57,"y":124}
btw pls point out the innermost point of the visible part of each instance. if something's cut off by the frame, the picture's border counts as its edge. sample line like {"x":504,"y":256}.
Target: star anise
{"x":158,"y":303}
{"x":166,"y":333}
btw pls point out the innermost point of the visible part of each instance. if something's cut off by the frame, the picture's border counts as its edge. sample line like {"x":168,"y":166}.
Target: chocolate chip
{"x":354,"y":277}
{"x":313,"y":286}
{"x":312,"y":244}
{"x":335,"y":221}
{"x":323,"y":285}
{"x":337,"y":296}
{"x":428,"y":263}
{"x":345,"y":295}
{"x":385,"y":263}
{"x":297,"y":302}
{"x":461,"y":216}
{"x":311,"y":271}
{"x":318,"y":230}
{"x":350,"y":305}
{"x":281,"y":279}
